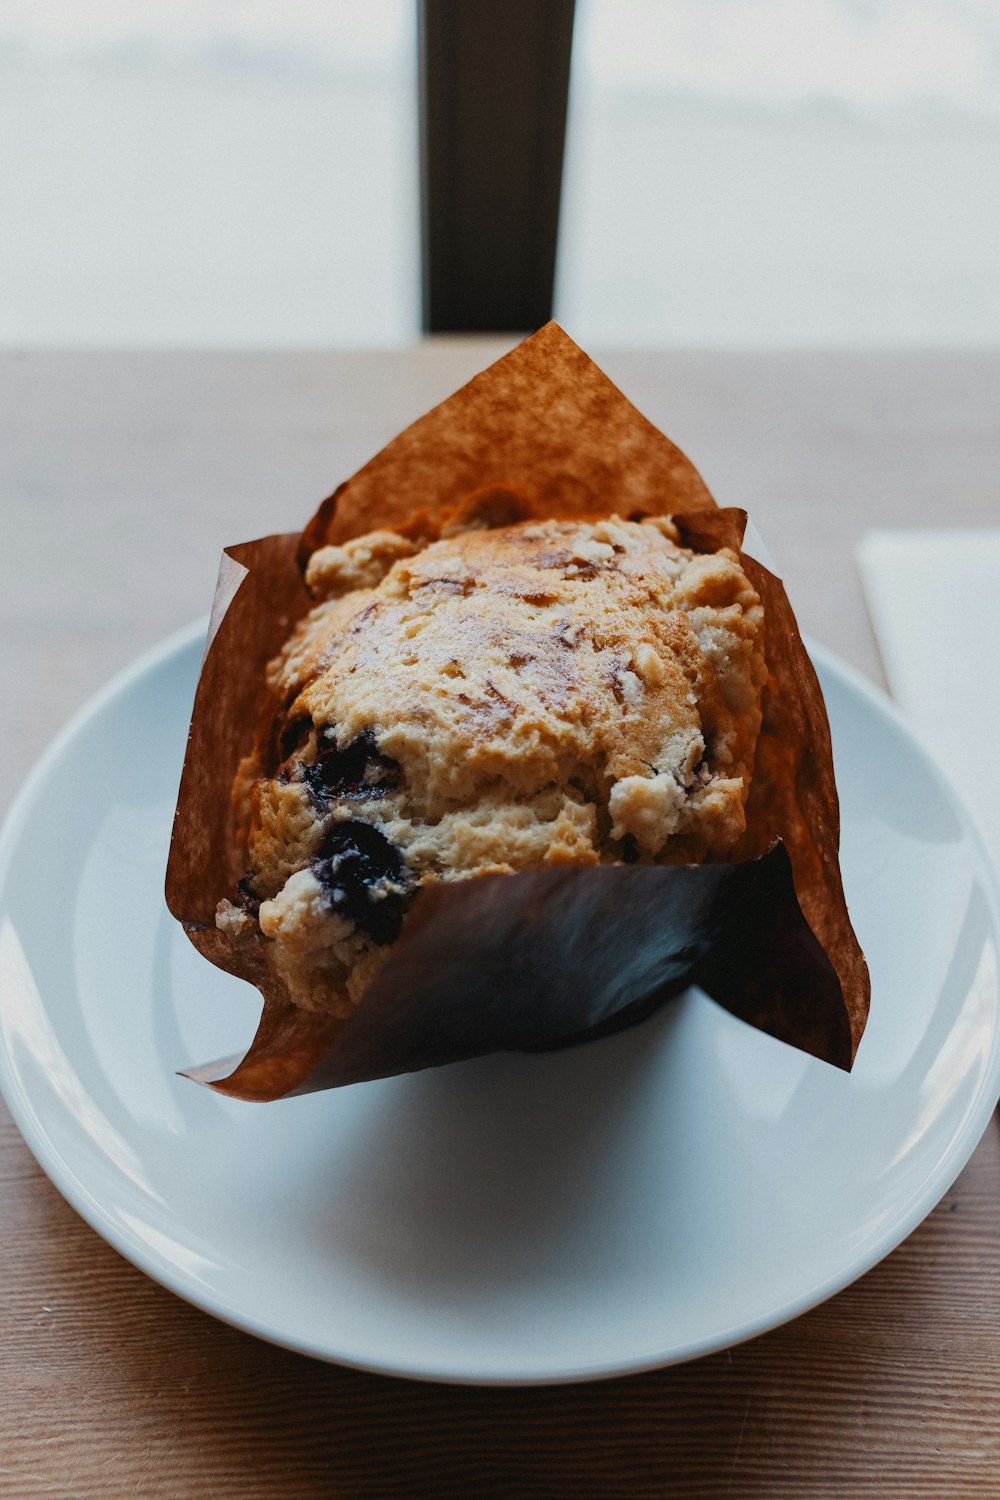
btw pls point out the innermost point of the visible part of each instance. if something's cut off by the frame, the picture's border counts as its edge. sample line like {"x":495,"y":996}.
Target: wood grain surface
{"x":122,"y":477}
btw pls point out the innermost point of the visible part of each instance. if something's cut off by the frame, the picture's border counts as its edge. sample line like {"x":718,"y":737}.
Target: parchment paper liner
{"x":541,"y":957}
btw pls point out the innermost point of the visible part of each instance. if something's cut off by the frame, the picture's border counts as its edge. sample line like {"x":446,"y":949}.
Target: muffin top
{"x":536,"y":693}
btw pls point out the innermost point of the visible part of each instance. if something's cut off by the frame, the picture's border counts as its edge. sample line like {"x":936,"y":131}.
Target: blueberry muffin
{"x":539,"y":693}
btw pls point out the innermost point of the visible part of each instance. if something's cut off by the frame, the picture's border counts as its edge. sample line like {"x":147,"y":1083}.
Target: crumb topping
{"x":547,"y":692}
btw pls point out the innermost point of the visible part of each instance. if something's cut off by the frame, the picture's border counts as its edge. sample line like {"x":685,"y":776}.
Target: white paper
{"x":754,"y":546}
{"x":231,"y":575}
{"x":934,"y":598}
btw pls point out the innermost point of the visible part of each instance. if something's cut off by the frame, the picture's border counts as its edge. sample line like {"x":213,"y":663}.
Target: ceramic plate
{"x":638,"y":1201}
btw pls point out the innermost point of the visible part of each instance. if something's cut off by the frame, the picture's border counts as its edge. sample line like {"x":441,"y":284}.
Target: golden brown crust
{"x":557,"y":692}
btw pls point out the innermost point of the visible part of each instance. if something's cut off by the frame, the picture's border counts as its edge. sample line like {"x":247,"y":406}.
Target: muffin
{"x":512,"y":743}
{"x":543,"y":693}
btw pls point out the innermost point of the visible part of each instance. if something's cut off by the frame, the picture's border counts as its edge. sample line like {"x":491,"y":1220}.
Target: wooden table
{"x":123,"y":475}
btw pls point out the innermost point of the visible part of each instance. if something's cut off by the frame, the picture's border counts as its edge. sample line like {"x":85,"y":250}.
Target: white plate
{"x":642,"y":1200}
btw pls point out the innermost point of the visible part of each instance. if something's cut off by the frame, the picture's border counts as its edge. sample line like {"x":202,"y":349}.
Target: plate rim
{"x":162,"y":1270}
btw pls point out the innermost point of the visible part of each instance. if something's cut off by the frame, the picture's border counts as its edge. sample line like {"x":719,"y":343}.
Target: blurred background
{"x":235,"y":173}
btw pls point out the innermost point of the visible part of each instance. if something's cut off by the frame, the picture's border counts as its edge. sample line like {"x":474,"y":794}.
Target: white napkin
{"x":934,"y":598}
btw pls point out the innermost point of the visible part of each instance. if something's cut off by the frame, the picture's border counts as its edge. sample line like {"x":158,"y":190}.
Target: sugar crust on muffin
{"x":541,"y":693}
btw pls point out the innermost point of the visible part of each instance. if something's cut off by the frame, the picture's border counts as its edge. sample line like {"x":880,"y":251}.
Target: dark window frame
{"x":493,"y":91}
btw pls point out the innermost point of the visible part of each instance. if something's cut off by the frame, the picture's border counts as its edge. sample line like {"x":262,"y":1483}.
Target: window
{"x":783,"y":172}
{"x":203,"y":172}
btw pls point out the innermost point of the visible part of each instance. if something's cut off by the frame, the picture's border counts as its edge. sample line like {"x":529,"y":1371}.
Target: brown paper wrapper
{"x":545,"y":957}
